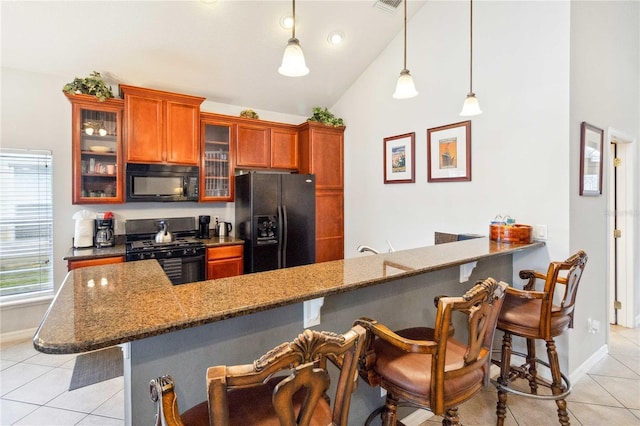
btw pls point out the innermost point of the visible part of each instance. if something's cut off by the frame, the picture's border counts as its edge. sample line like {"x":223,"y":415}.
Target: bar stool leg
{"x":451,"y":417}
{"x":505,"y":367}
{"x":390,"y":413}
{"x":556,"y":386}
{"x":531,"y":361}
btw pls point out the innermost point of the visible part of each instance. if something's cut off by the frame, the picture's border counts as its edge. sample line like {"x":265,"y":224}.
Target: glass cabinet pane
{"x":97,"y":150}
{"x":216,"y":169}
{"x":98,"y":153}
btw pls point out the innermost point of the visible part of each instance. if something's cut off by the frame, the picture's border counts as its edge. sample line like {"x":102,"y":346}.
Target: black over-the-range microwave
{"x":161,"y":182}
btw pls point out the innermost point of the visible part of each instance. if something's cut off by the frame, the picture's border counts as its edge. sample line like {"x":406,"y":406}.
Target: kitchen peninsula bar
{"x":181,"y":330}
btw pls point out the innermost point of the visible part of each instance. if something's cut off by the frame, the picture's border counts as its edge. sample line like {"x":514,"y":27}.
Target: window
{"x":26,"y":222}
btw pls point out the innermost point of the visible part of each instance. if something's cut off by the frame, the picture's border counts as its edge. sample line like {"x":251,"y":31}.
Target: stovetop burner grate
{"x":153,"y":245}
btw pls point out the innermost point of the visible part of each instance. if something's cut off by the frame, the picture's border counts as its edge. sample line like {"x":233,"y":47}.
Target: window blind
{"x":26,"y":222}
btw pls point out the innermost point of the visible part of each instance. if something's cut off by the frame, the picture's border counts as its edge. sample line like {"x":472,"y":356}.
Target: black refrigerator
{"x":276,"y":218}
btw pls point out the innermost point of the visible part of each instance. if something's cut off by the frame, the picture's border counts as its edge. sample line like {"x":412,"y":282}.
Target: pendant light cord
{"x":405,"y":34}
{"x":294,"y":20}
{"x":470,"y":46}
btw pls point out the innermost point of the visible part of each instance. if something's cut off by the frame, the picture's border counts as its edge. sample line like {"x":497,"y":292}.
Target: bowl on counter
{"x":516,"y":233}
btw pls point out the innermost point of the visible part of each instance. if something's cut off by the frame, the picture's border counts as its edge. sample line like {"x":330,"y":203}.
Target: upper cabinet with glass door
{"x":97,"y":150}
{"x":217,"y":168}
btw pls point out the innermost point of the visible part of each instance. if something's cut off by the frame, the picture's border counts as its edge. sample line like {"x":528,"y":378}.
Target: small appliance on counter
{"x":105,"y":236}
{"x":203,"y":227}
{"x":224,"y":229}
{"x":84,"y":229}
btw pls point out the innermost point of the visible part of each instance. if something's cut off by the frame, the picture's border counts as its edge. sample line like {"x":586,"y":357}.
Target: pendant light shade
{"x":293,"y":64}
{"x":405,"y":87}
{"x":471,"y":105}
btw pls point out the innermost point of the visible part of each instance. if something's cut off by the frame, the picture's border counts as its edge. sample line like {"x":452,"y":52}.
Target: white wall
{"x":521,"y":77}
{"x":36,"y":114}
{"x":525,"y":148}
{"x":605,"y":92}
{"x":521,"y":70}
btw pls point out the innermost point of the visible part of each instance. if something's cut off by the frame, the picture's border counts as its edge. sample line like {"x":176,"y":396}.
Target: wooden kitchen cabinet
{"x":284,"y":148}
{"x":75,"y":264}
{"x":225,"y":261}
{"x":161,"y":127}
{"x":322,"y":153}
{"x":253,"y":146}
{"x":266,"y":145}
{"x":217,"y":169}
{"x":96,"y":134}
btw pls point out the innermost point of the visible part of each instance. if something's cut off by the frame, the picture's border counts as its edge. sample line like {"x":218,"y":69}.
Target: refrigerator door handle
{"x":285,"y":232}
{"x":280,"y":236}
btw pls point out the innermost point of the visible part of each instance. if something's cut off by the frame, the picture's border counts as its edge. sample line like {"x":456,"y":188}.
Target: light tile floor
{"x":609,"y":394}
{"x":34,"y":391}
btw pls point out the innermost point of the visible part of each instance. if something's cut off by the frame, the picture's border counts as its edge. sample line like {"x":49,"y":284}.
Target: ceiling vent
{"x":389,"y":6}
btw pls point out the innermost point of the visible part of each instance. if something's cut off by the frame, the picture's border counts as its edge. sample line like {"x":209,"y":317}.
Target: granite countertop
{"x":119,"y":249}
{"x":101,"y":306}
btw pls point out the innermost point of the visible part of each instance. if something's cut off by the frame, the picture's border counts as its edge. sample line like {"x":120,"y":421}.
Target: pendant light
{"x":293,"y":59}
{"x":471,"y":105}
{"x":405,"y":87}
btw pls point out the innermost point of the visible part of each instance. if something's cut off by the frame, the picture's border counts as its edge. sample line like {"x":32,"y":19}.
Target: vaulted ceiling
{"x":225,"y":50}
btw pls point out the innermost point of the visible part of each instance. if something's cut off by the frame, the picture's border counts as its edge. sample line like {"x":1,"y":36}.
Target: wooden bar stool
{"x":533,"y":315}
{"x":258,"y":394}
{"x":428,"y":367}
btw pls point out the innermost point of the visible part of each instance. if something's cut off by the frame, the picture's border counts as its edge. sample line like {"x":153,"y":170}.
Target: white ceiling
{"x":227,"y":51}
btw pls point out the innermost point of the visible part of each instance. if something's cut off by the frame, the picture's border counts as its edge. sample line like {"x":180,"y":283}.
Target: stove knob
{"x":141,"y":256}
{"x":152,"y":255}
{"x":185,"y":251}
{"x":169,"y":253}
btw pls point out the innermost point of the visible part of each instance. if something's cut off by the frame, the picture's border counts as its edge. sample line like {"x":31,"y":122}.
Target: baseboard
{"x":417,"y":417}
{"x":584,"y":368}
{"x":13,"y":336}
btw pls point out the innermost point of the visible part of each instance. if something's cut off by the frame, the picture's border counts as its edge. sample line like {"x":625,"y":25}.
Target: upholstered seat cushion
{"x":412,"y":371}
{"x":521,"y":316}
{"x":253,"y":406}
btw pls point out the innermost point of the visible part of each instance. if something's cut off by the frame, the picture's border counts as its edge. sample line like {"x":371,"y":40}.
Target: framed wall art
{"x":449,"y":153}
{"x":399,"y":158}
{"x":591,"y":146}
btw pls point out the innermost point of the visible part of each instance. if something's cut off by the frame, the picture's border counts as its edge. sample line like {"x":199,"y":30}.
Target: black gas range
{"x":182,"y":258}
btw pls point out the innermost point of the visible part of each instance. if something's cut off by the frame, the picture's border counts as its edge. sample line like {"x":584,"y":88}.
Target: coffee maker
{"x":203,"y":228}
{"x":105,"y":236}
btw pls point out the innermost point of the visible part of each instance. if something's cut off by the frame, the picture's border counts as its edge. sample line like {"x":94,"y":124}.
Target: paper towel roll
{"x":83,"y":233}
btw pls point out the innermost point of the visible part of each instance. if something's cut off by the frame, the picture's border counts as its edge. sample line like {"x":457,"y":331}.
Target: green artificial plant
{"x":249,"y":113}
{"x":92,"y":85}
{"x":324,"y":116}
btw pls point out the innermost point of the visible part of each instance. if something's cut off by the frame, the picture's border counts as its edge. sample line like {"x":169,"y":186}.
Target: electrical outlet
{"x":540,"y":232}
{"x":216,"y":219}
{"x":593,"y":326}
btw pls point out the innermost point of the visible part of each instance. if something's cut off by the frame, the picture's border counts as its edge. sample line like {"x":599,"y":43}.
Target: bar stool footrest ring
{"x":378,"y":411}
{"x":506,"y":388}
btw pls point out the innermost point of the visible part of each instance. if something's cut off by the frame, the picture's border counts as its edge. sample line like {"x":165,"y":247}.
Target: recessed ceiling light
{"x":335,"y":37}
{"x":286,"y":22}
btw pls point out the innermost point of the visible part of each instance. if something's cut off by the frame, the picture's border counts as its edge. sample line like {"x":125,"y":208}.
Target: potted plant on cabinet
{"x":92,"y":85}
{"x":324,"y":116}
